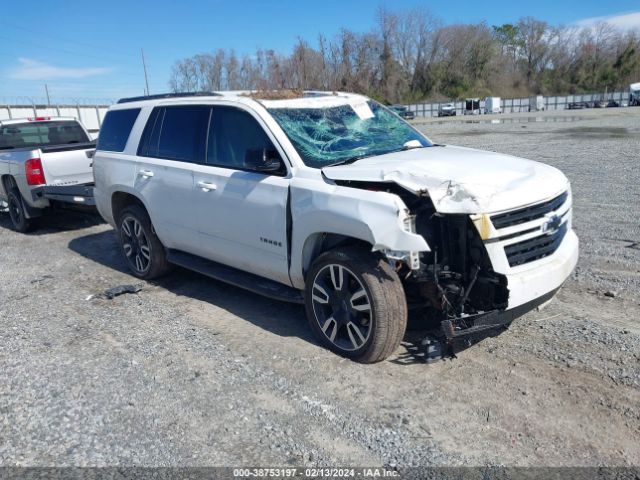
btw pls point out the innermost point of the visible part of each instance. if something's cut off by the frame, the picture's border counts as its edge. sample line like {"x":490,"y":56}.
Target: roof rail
{"x":168,"y":95}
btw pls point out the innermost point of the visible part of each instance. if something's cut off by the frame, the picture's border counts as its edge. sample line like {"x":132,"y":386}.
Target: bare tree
{"x":409,"y":55}
{"x":534,"y":39}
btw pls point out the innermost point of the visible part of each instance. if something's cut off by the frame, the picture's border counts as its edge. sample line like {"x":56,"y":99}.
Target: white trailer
{"x":536,"y":103}
{"x":492,"y":105}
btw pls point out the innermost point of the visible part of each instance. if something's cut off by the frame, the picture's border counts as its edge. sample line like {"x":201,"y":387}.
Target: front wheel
{"x":144,"y":253}
{"x":356,"y":304}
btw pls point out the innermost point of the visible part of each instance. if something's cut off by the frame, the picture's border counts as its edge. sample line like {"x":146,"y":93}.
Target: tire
{"x":356,"y":305}
{"x":17,"y":212}
{"x":141,"y":248}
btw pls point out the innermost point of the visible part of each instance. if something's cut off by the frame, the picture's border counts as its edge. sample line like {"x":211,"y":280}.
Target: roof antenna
{"x":144,"y":66}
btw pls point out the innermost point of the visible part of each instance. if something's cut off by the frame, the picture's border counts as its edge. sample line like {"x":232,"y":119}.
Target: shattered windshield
{"x":326,"y":136}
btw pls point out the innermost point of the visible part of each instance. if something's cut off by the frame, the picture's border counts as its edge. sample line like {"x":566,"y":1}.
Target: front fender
{"x":373,"y":217}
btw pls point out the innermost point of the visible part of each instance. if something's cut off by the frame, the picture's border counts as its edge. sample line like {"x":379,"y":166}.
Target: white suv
{"x":331,"y":200}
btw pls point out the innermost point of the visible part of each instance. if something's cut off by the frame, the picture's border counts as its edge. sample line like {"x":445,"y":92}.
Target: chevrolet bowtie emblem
{"x":551,"y":225}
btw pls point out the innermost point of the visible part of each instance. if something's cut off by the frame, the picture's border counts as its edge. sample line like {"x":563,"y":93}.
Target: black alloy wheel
{"x":342,"y":307}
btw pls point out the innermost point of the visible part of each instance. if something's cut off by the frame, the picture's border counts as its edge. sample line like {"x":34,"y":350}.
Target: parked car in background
{"x":446,"y":110}
{"x":44,"y":161}
{"x":577,"y":105}
{"x":334,"y":202}
{"x":612,"y":103}
{"x":403,"y":111}
{"x":600,"y":104}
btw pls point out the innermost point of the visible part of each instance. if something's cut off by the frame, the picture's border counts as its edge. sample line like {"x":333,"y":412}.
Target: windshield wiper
{"x":349,"y":160}
{"x":410,"y":145}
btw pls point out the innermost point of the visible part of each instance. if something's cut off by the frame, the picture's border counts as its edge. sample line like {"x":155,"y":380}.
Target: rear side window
{"x":176,"y":133}
{"x":148,"y":146}
{"x":116,"y":128}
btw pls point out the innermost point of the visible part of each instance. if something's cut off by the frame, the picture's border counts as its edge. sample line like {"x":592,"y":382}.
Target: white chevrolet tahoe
{"x":331,"y":200}
{"x":44,"y":161}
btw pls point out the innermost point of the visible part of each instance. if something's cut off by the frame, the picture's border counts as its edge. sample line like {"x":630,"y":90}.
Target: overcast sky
{"x":91,"y":50}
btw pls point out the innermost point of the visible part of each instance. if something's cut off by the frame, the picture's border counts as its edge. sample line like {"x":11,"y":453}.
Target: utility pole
{"x":144,"y":66}
{"x":46,"y":89}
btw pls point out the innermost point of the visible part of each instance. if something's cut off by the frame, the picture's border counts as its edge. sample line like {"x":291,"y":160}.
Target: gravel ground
{"x":190,"y":371}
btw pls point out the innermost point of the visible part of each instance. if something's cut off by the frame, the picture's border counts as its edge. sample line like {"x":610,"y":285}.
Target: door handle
{"x":145,"y":173}
{"x":206,"y":186}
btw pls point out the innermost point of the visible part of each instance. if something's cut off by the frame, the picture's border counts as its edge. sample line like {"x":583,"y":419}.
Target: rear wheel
{"x":144,"y":253}
{"x":356,"y":305}
{"x":17,"y":212}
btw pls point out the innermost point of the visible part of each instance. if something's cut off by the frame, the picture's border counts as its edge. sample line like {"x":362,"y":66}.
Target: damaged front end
{"x":452,"y":287}
{"x":455,"y":286}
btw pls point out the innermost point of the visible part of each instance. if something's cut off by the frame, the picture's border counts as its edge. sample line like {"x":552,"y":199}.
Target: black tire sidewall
{"x":157,"y":255}
{"x":372,"y":272}
{"x":15,"y":198}
{"x":337,"y":258}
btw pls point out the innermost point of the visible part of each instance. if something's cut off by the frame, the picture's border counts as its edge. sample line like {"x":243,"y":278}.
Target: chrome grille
{"x":535,"y":248}
{"x":527,"y":214}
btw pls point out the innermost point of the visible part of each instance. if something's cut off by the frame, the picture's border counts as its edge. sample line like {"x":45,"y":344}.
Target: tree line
{"x":411,"y":55}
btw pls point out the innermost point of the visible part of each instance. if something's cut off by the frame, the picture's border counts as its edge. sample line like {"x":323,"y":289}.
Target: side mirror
{"x":263,"y":160}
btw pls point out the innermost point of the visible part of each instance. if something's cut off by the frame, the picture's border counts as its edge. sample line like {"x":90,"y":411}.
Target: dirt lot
{"x":193,"y":372}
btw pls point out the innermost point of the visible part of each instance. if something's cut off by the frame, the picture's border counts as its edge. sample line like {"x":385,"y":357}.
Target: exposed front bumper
{"x":529,"y":286}
{"x":536,"y":250}
{"x":491,"y":320}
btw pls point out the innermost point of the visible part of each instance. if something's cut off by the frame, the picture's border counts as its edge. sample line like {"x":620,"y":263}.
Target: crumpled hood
{"x":458,"y":179}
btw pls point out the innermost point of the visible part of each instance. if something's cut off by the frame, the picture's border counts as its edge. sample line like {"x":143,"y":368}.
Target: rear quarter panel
{"x":113,"y":172}
{"x":116,"y":171}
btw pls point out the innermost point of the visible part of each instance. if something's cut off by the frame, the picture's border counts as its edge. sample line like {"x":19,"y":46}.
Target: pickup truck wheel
{"x":144,"y":253}
{"x":356,"y":305}
{"x":18,"y":216}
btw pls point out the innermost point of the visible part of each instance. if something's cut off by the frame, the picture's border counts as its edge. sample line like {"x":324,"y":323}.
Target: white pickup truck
{"x":44,"y":161}
{"x":331,"y":200}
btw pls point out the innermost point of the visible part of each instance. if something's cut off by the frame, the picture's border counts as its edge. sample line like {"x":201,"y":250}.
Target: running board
{"x":233,"y":276}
